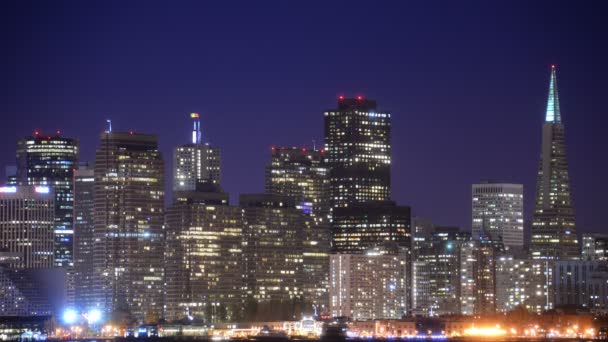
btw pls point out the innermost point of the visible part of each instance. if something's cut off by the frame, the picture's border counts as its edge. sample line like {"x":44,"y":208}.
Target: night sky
{"x":466,"y":83}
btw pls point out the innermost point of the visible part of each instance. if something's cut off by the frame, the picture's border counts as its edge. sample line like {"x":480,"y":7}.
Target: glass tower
{"x":50,"y":161}
{"x":358,"y":152}
{"x":553,"y":227}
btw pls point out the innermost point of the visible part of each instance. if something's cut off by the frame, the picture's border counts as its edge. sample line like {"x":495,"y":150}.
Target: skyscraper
{"x":195,"y":162}
{"x":50,"y":161}
{"x":358,"y":152}
{"x":26,"y":224}
{"x":477,"y":278}
{"x":498,"y":213}
{"x":553,"y":226}
{"x":204,"y":258}
{"x":299,"y":173}
{"x":128,"y":250}
{"x":84,"y":226}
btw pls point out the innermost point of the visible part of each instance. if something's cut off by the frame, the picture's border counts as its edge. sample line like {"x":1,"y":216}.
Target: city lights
{"x":70,"y":316}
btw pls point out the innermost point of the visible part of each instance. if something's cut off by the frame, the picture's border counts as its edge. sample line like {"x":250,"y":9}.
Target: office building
{"x":27,"y":225}
{"x":526,"y":282}
{"x":358,"y":152}
{"x":128,"y":248}
{"x":274,"y":234}
{"x":477,"y":278}
{"x":371,"y":285}
{"x":84,"y":226}
{"x":553,"y":226}
{"x":498,"y":213}
{"x":594,"y":247}
{"x":581,"y":284}
{"x":204,"y":258}
{"x":422,"y":233}
{"x":359,"y":227}
{"x":195,"y":162}
{"x":50,"y":161}
{"x":300,"y":174}
{"x":436,"y":279}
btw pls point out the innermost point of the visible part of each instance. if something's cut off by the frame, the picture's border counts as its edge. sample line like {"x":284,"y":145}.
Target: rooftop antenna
{"x":109,"y":126}
{"x":197,"y":135}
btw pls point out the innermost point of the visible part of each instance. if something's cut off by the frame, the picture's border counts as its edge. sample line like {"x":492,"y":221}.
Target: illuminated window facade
{"x":300,"y":174}
{"x":526,"y":282}
{"x":553,"y":226}
{"x":436,"y":273}
{"x":129,"y":201}
{"x":84,"y":225}
{"x":195,"y":163}
{"x":26,"y":225}
{"x":50,"y":161}
{"x":498,"y":213}
{"x":371,"y":285}
{"x":477,"y":278}
{"x":204,"y":259}
{"x":594,"y":247}
{"x":359,"y":227}
{"x":273,"y":233}
{"x":358,"y":152}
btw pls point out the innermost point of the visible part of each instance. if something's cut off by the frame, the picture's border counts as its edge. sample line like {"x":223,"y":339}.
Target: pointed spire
{"x":553,"y":114}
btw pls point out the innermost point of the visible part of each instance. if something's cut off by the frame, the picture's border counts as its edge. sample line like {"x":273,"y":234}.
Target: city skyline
{"x":448,"y":90}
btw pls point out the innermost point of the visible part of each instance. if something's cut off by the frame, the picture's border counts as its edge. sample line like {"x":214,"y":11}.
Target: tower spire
{"x":197,"y":135}
{"x":553,"y":114}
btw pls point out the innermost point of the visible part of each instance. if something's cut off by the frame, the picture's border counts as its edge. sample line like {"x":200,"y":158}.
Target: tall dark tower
{"x":358,"y":152}
{"x":50,"y":161}
{"x":553,"y":227}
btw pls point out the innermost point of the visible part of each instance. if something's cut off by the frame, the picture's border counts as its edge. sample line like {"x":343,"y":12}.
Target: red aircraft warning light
{"x":359,"y":97}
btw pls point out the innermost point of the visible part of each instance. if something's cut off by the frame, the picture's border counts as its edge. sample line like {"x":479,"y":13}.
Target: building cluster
{"x":324,"y":238}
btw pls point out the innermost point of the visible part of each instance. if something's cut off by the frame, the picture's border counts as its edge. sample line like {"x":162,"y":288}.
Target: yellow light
{"x":484,"y":331}
{"x":194,"y":115}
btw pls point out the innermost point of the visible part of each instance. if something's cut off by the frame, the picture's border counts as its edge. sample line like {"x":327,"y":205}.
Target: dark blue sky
{"x":466,"y":83}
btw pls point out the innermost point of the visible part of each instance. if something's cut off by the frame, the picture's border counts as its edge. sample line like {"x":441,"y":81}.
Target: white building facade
{"x":498,"y":213}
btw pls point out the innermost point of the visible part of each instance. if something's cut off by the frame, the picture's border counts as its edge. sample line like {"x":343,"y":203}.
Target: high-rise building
{"x":195,"y":162}
{"x":128,"y":249}
{"x":359,"y":227}
{"x":436,"y":279}
{"x":50,"y":161}
{"x":84,"y":226}
{"x":595,"y":247}
{"x":477,"y":278}
{"x":27,"y":224}
{"x":204,"y":258}
{"x":524,"y":282}
{"x":553,"y":226}
{"x":358,"y":152}
{"x":371,"y":285}
{"x":273,"y":234}
{"x":299,"y":173}
{"x":498,"y":213}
